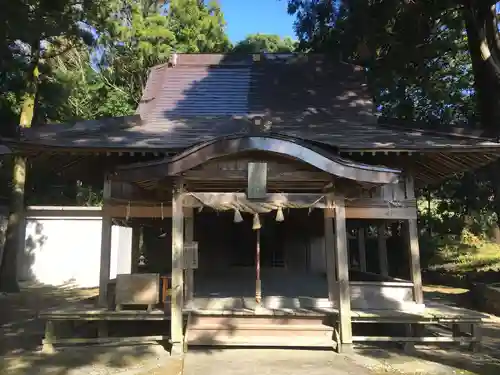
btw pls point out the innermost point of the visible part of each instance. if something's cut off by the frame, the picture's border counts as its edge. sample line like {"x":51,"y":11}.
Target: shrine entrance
{"x":232,"y":265}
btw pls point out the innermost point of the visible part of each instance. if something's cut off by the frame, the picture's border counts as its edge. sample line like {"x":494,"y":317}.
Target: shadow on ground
{"x":434,"y":360}
{"x":21,"y":334}
{"x":445,"y":357}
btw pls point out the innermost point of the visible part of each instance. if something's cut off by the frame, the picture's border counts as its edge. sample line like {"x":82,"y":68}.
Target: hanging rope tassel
{"x":237,"y":216}
{"x":256,"y":222}
{"x":127,"y":214}
{"x":279,"y":215}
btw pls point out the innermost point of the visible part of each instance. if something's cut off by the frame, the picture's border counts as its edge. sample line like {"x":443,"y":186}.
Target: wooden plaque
{"x":257,"y":180}
{"x":137,"y":289}
{"x":190,"y":255}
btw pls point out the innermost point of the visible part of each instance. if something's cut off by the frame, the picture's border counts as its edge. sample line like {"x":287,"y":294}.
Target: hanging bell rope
{"x":256,"y":222}
{"x":161,"y":210}
{"x":127,"y":213}
{"x":237,"y":216}
{"x":279,"y":215}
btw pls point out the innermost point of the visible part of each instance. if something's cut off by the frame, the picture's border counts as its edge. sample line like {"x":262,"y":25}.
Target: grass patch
{"x":465,"y":253}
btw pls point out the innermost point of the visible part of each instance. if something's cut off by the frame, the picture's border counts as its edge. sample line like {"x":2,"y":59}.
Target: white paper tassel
{"x":127,"y":213}
{"x":279,"y":215}
{"x":142,"y":260}
{"x":237,"y":216}
{"x":256,"y":222}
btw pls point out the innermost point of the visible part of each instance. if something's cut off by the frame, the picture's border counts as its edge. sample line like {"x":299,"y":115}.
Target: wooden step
{"x":239,"y":320}
{"x":259,"y":331}
{"x":262,"y":341}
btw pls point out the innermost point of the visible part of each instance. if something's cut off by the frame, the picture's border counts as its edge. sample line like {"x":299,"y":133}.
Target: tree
{"x":434,"y":62}
{"x":256,"y":43}
{"x":198,"y":28}
{"x":48,"y":74}
{"x":152,"y":31}
{"x":428,"y":81}
{"x":33,"y":32}
{"x":483,"y":35}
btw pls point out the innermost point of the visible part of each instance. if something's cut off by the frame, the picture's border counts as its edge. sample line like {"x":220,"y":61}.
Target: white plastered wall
{"x":60,"y":250}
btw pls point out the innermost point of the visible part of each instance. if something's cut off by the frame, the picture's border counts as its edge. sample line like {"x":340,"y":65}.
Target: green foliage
{"x":198,"y":28}
{"x":256,"y":43}
{"x":138,"y":35}
{"x":418,"y":58}
{"x":415,"y":52}
{"x":94,"y":62}
{"x":463,"y":253}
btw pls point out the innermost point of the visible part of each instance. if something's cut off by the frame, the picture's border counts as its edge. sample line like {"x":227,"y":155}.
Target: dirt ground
{"x":21,"y":334}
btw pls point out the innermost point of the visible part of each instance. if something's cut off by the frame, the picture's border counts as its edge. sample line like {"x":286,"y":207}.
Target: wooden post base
{"x":344,"y":348}
{"x":177,"y":349}
{"x":47,"y":344}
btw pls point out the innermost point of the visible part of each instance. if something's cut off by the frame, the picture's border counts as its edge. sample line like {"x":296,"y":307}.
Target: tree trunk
{"x":484,"y":49}
{"x":14,"y":242}
{"x":486,"y":80}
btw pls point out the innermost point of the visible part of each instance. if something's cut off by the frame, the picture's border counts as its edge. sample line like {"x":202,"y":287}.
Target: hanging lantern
{"x":279,"y":215}
{"x":142,"y":260}
{"x":256,"y":222}
{"x":237,"y":216}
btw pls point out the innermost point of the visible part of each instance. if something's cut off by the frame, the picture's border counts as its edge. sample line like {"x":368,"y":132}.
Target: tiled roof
{"x":232,"y":86}
{"x":208,"y":96}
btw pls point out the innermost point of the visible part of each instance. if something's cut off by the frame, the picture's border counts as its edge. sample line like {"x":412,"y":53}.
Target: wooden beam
{"x":330,"y":252}
{"x":299,"y":198}
{"x":41,"y":212}
{"x":341,"y":261}
{"x":105,"y":262}
{"x":396,"y":213}
{"x":362,"y":248}
{"x":136,"y":211}
{"x":382,"y":250}
{"x":410,"y":187}
{"x":189,"y":273}
{"x":411,"y":233}
{"x":177,"y":302}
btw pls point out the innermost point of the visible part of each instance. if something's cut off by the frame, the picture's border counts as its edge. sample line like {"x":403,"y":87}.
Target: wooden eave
{"x":430,"y":166}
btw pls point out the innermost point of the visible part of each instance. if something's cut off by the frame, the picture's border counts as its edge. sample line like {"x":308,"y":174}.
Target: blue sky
{"x":245,"y":17}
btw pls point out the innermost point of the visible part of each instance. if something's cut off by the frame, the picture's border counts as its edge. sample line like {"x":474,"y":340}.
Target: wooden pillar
{"x":189,"y":273}
{"x":341,"y":260}
{"x":382,"y":250}
{"x":136,"y":247}
{"x":411,"y":233}
{"x":177,"y":303}
{"x":105,"y":248}
{"x":330,"y":250}
{"x":362,"y":248}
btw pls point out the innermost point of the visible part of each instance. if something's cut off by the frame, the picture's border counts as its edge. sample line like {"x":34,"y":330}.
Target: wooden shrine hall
{"x":281,"y":210}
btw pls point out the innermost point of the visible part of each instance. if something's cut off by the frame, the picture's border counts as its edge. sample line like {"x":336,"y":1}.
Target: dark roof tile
{"x":207,"y":96}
